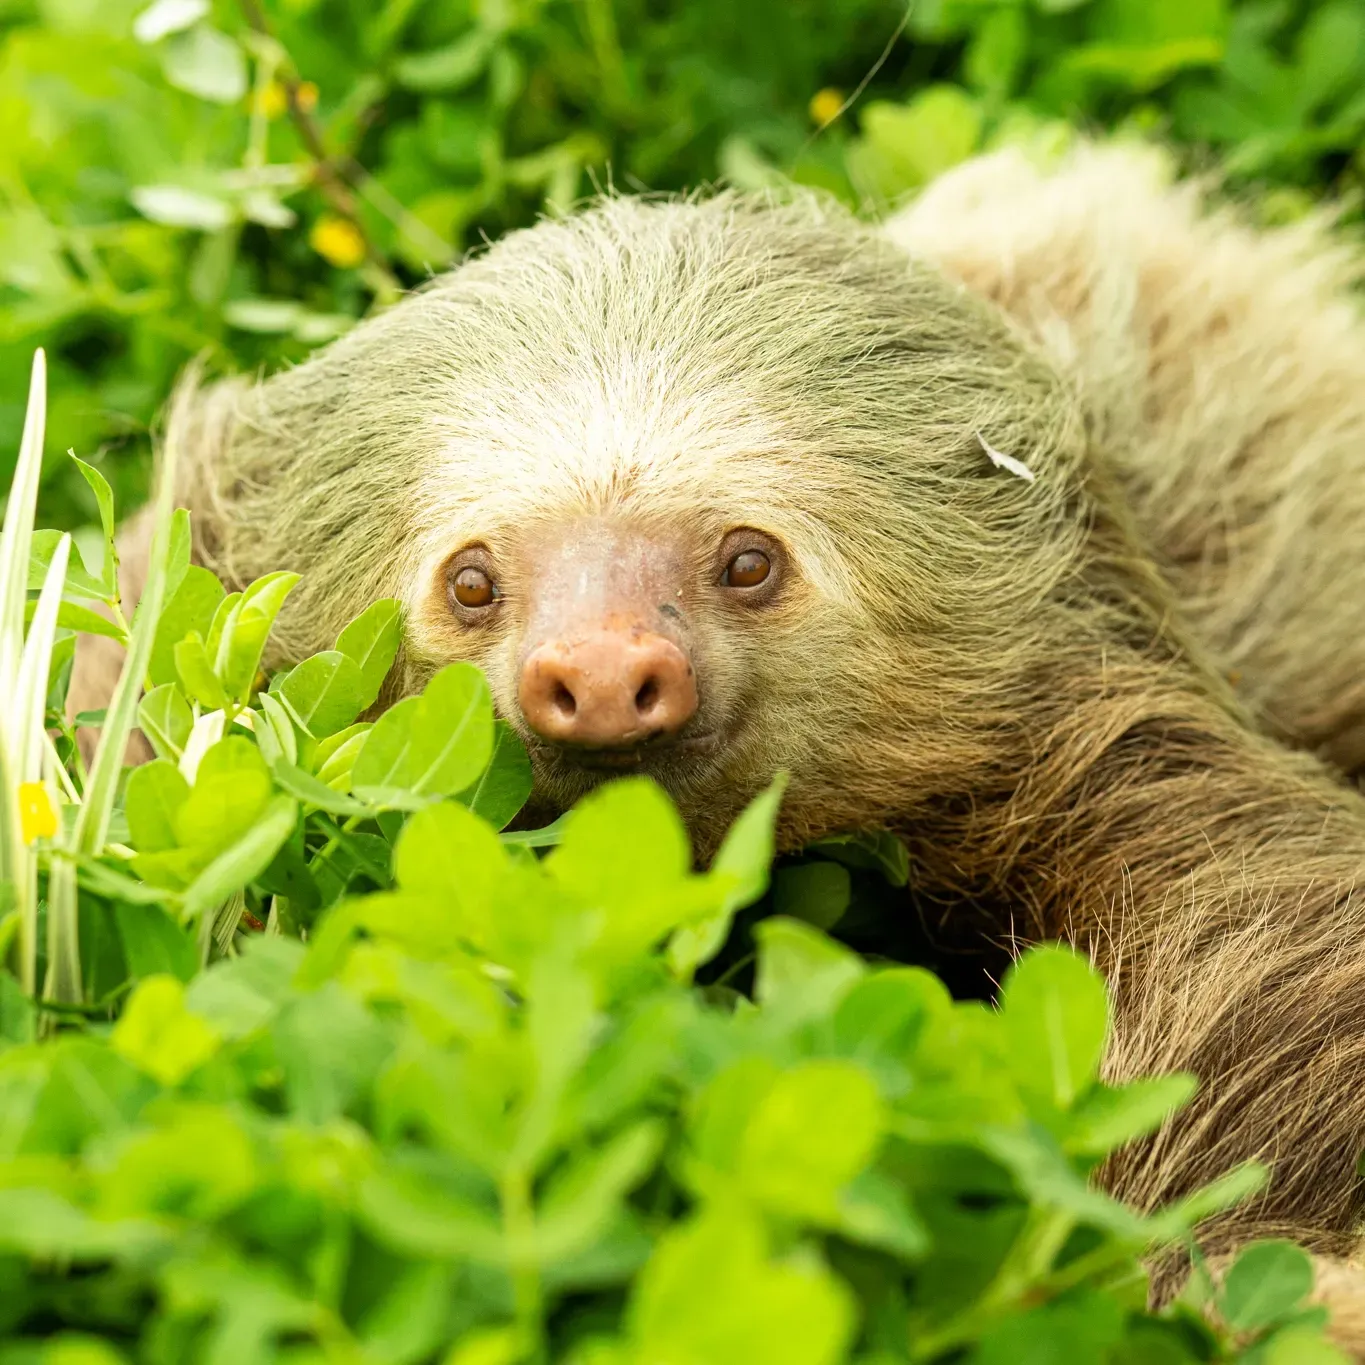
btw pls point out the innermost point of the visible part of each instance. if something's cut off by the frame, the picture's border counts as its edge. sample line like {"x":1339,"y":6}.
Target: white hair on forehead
{"x":728,"y":361}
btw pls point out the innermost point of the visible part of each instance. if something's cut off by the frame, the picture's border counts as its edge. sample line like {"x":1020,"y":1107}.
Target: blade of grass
{"x":17,"y":538}
{"x":63,"y":983}
{"x":29,"y":705}
{"x":17,"y":865}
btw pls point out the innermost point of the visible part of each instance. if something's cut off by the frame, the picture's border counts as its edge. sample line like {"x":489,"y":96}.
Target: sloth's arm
{"x":1223,"y":369}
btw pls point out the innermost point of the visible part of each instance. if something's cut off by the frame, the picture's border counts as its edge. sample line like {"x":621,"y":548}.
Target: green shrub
{"x":157,"y":200}
{"x":326,"y":1064}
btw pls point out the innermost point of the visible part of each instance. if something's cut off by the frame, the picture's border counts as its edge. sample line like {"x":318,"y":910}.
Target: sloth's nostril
{"x":563,"y":700}
{"x":647,"y":695}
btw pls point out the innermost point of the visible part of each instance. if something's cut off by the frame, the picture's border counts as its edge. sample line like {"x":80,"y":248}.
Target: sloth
{"x":1025,"y":525}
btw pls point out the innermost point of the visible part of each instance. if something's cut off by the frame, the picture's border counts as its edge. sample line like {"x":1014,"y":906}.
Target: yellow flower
{"x":337,"y":241}
{"x":37,"y":815}
{"x":825,"y":105}
{"x":275,"y":98}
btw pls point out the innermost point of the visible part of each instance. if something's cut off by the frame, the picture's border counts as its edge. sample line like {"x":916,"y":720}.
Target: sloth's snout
{"x":607,"y":688}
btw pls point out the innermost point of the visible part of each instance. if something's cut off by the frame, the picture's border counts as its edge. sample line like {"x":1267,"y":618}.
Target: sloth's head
{"x":698,"y":484}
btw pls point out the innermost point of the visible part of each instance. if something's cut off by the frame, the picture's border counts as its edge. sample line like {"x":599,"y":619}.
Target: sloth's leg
{"x":1224,"y":369}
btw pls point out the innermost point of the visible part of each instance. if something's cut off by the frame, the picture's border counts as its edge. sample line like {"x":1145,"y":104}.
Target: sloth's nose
{"x":607,"y":688}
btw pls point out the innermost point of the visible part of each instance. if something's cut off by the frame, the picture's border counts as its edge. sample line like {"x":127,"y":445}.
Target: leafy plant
{"x":328,"y":1064}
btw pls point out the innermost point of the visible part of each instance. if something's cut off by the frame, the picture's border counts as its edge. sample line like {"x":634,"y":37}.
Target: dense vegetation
{"x":303,"y":1054}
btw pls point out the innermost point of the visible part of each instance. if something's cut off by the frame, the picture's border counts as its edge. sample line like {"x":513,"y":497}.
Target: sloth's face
{"x":619,"y":646}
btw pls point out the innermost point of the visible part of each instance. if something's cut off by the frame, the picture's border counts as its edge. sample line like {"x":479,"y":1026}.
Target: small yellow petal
{"x":825,"y":105}
{"x":273,"y":99}
{"x":37,"y":815}
{"x":337,"y":241}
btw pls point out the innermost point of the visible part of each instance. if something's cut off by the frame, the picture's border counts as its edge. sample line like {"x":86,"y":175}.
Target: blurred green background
{"x":244,"y":178}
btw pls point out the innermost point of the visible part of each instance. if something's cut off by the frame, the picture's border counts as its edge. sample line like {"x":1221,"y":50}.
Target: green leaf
{"x":446,"y":68}
{"x":230,"y":791}
{"x":818,"y":1126}
{"x":906,"y":146}
{"x":18,"y":1021}
{"x":313,"y":792}
{"x":882,"y":1018}
{"x":1082,"y":1330}
{"x":159,"y":1035}
{"x":164,"y":716}
{"x":743,"y":861}
{"x":87,"y":622}
{"x":196,"y":674}
{"x":245,"y":860}
{"x":204,"y":62}
{"x":872,"y":850}
{"x":506,"y":783}
{"x":621,"y":838}
{"x":421,"y":1218}
{"x":78,"y":582}
{"x":153,"y":943}
{"x":801,"y":973}
{"x":104,"y":495}
{"x":324,"y":693}
{"x":1056,"y":1013}
{"x":1108,"y":1117}
{"x":1180,"y":1218}
{"x":277,"y":737}
{"x":372,"y":640}
{"x":710,"y":1293}
{"x":582,"y":1199}
{"x":189,"y":610}
{"x":1331,"y":52}
{"x":1265,"y":1284}
{"x":432,"y":745}
{"x":817,"y":893}
{"x":155,"y":794}
{"x":331,"y":1049}
{"x":178,"y":549}
{"x":238,"y":634}
{"x":997,"y":51}
{"x":1298,"y":1345}
{"x":270,"y":317}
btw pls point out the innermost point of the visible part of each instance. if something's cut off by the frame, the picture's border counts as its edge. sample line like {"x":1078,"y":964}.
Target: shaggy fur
{"x":1027,"y":680}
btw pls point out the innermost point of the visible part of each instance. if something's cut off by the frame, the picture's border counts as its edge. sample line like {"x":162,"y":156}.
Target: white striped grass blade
{"x":30,"y":699}
{"x":17,"y":537}
{"x":27,"y":748}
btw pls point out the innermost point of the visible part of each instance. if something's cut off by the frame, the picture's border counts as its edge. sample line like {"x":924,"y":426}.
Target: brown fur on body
{"x":1024,"y":679}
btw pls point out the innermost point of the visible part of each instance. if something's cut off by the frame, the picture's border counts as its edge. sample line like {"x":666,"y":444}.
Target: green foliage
{"x":178,"y":179}
{"x":337,"y":1068}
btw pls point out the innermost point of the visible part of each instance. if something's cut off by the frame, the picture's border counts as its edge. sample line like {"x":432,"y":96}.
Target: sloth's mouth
{"x":618,"y":758}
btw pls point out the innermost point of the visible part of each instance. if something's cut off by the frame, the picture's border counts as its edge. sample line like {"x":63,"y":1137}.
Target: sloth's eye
{"x":747,"y":570}
{"x":471,"y":587}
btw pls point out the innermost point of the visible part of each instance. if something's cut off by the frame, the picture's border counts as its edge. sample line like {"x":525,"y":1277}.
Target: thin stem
{"x":330,"y":181}
{"x":519,"y":1222}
